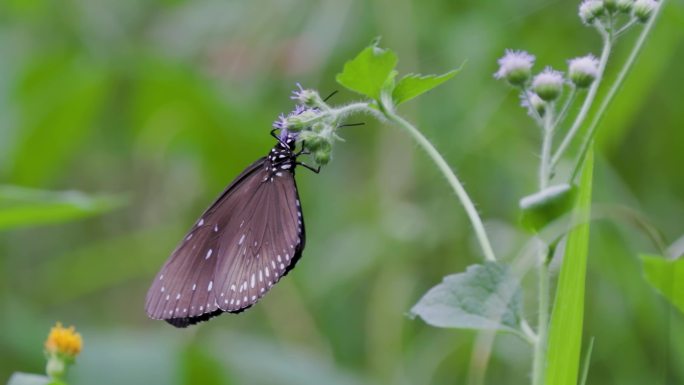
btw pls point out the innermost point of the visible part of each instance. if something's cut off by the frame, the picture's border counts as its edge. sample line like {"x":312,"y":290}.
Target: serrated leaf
{"x":413,"y":85}
{"x":666,"y":276}
{"x":19,"y":378}
{"x":369,"y":71}
{"x":485,"y":296}
{"x":21,"y":207}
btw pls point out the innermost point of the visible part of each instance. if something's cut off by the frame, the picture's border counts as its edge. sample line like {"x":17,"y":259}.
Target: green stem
{"x":539,"y":363}
{"x":588,"y":101}
{"x":547,"y":142}
{"x":451,"y":177}
{"x":614,"y":89}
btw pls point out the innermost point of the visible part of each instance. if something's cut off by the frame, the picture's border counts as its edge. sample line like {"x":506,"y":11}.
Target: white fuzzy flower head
{"x":589,"y":10}
{"x":533,"y":103}
{"x":548,"y":84}
{"x":515,"y":67}
{"x":643,"y":9}
{"x":583,"y":70}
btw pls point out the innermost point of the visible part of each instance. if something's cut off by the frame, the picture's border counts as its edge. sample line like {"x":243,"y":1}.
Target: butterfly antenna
{"x":330,"y":96}
{"x":351,"y":125}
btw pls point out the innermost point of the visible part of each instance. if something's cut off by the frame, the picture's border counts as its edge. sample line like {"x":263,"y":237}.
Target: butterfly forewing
{"x":241,"y":246}
{"x":183,"y":289}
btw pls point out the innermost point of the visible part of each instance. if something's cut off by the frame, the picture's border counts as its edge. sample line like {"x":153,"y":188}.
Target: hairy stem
{"x":547,"y":142}
{"x":588,"y":101}
{"x":591,"y":132}
{"x":451,"y":177}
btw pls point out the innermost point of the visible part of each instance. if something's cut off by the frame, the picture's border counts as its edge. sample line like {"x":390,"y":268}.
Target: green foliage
{"x":565,"y":335}
{"x":373,"y":72}
{"x":541,"y":208}
{"x":370,"y":71}
{"x":484,"y":297}
{"x":413,"y":85}
{"x":666,"y":276}
{"x":20,"y":207}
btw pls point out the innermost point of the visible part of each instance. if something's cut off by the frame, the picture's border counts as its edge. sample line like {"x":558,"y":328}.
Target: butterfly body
{"x":248,"y":239}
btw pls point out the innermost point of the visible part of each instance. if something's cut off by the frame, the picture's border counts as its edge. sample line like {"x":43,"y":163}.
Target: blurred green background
{"x":159,"y":104}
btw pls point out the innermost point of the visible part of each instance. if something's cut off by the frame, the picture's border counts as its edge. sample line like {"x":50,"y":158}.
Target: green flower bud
{"x":515,"y":67}
{"x":643,"y":9}
{"x":583,"y":70}
{"x":610,"y":5}
{"x":534,"y":104}
{"x":548,"y":84}
{"x":322,"y":157}
{"x":625,"y":6}
{"x":589,"y":10}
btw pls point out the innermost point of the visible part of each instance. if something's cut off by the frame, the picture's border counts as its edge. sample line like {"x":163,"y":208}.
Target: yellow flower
{"x":64,"y":341}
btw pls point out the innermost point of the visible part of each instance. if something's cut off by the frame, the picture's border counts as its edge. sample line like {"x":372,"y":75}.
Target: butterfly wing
{"x":268,"y":241}
{"x":182,"y":290}
{"x":241,"y":246}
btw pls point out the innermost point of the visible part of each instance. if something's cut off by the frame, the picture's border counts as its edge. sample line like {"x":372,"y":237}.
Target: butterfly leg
{"x":316,"y":170}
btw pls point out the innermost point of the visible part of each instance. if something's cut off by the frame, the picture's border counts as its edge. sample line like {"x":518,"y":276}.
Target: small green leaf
{"x":369,"y":71}
{"x":541,"y":208}
{"x":19,"y":378}
{"x":666,"y":276}
{"x":21,"y":207}
{"x":413,"y":85}
{"x":485,"y":296}
{"x":565,"y":333}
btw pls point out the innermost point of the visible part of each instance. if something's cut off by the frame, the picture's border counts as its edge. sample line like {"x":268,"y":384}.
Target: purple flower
{"x":515,"y":67}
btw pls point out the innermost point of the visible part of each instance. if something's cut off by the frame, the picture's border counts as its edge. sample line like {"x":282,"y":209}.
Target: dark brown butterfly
{"x":242,"y":245}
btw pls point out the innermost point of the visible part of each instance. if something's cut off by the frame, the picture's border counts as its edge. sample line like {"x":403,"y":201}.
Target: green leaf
{"x":21,"y":207}
{"x":413,"y":85}
{"x":485,"y":296}
{"x":565,"y":336}
{"x":370,"y":71}
{"x":19,"y":378}
{"x":666,"y":276}
{"x":541,"y":208}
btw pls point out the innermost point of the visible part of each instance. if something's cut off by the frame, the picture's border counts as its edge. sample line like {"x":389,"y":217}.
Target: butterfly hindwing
{"x":269,"y":240}
{"x":182,"y":292}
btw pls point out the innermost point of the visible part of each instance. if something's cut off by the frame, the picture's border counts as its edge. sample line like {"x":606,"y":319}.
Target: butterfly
{"x":241,"y":246}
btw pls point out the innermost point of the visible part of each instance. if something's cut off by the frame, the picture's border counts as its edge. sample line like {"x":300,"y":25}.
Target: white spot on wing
{"x":216,"y":228}
{"x":201,"y":222}
{"x":209,"y":253}
{"x":211,"y":284}
{"x":242,"y":239}
{"x":253,"y":281}
{"x":178,"y":297}
{"x":194,"y":286}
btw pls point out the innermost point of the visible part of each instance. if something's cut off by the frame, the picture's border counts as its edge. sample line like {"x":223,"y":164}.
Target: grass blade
{"x":565,"y":337}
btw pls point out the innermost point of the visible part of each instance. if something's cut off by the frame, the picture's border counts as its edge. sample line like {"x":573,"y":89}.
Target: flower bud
{"x":589,"y":10}
{"x":322,"y":157}
{"x":61,"y":348}
{"x":309,"y":98}
{"x":610,"y":5}
{"x":548,"y":84}
{"x":625,"y":6}
{"x":643,"y":9}
{"x":534,"y":104}
{"x":583,"y":70}
{"x":515,"y":67}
